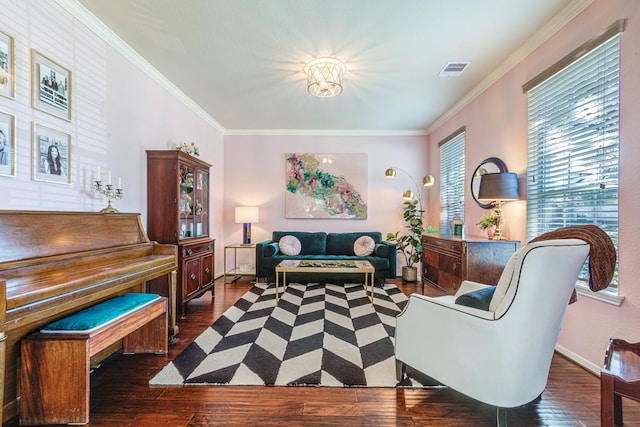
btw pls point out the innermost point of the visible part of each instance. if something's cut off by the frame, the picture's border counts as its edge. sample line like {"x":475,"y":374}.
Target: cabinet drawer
{"x":195,"y":250}
{"x":442,"y":245}
{"x":450,"y":265}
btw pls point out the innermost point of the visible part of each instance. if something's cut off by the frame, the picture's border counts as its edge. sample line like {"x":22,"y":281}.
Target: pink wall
{"x":496,"y":124}
{"x":254,"y":175}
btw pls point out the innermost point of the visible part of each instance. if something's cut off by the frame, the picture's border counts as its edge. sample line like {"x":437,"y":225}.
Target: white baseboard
{"x":584,"y":363}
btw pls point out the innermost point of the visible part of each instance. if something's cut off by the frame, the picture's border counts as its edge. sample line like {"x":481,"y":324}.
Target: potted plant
{"x":488,"y":222}
{"x":409,"y":244}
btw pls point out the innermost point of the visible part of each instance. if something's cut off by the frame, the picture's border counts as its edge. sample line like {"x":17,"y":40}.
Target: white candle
{"x":120,"y":182}
{"x":98,"y":177}
{"x":109,"y":177}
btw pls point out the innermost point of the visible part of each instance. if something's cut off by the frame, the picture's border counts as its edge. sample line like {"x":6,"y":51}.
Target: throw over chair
{"x":500,"y":356}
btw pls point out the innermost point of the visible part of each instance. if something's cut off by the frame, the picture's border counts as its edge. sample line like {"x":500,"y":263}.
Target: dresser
{"x":448,"y":260}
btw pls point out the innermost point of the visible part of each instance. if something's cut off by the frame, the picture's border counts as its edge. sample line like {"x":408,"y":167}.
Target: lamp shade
{"x":498,"y":186}
{"x":247,"y":214}
{"x":428,"y":180}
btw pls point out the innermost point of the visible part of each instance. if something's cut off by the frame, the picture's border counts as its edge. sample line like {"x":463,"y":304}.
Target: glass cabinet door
{"x":186,"y":203}
{"x":201,"y":203}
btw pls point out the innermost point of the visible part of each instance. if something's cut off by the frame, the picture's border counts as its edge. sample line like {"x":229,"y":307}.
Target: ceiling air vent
{"x":453,"y":69}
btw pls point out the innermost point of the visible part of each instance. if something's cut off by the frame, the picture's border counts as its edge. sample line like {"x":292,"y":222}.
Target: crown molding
{"x":542,"y":35}
{"x":83,"y":15}
{"x":325,"y":132}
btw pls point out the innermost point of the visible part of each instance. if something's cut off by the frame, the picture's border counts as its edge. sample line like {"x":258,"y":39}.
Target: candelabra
{"x":110,"y":193}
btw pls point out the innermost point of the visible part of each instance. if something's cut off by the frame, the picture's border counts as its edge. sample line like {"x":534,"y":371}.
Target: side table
{"x":239,"y":270}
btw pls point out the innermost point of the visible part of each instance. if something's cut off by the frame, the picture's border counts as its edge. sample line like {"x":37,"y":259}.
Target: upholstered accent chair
{"x":499,"y":354}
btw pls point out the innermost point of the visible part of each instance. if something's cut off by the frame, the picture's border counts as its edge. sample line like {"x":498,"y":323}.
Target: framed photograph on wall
{"x":326,"y":186}
{"x":51,"y":154}
{"x":7,"y":144}
{"x":50,"y":86}
{"x":7,"y":66}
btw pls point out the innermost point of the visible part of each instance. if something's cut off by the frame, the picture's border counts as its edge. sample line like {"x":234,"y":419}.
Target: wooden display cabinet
{"x":178,"y":213}
{"x":449,"y":260}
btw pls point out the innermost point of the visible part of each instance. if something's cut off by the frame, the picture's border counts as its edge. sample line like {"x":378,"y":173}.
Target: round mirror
{"x":490,"y":165}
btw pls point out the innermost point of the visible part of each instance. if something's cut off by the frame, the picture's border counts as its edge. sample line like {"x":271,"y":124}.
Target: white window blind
{"x":451,"y":180}
{"x":573,"y":134}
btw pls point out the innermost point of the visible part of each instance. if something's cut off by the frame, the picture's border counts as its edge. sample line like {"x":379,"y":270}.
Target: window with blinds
{"x":451,"y":179}
{"x":573,"y":135}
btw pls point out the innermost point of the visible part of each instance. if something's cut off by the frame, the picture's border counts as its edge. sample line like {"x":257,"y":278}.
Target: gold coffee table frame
{"x":320,"y":266}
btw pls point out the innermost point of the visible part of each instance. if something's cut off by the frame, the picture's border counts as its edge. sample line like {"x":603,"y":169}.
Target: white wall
{"x":118,"y":113}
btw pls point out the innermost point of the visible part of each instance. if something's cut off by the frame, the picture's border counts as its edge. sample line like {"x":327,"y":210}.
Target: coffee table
{"x":321,"y":266}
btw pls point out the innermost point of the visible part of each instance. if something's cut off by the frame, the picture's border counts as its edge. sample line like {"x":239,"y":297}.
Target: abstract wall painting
{"x":326,"y":186}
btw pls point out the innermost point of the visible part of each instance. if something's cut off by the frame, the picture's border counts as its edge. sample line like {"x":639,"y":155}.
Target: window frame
{"x":601,"y":150}
{"x":452,"y":182}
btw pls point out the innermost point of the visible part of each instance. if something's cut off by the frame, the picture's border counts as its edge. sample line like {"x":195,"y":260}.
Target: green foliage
{"x":488,"y":220}
{"x":409,"y":244}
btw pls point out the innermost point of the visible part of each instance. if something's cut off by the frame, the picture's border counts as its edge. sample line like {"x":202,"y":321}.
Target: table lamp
{"x":246,"y":215}
{"x":498,"y":188}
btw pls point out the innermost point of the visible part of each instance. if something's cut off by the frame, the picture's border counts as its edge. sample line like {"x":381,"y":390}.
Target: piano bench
{"x":54,"y":375}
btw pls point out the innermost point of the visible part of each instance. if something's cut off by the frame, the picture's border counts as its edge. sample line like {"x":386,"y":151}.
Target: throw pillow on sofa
{"x":364,"y":246}
{"x":289,"y":245}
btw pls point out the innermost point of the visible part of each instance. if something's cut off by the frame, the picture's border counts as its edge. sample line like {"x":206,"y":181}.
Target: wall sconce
{"x":498,"y":188}
{"x":246,"y":215}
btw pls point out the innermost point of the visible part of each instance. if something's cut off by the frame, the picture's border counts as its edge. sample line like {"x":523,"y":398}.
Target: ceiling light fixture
{"x":324,"y":77}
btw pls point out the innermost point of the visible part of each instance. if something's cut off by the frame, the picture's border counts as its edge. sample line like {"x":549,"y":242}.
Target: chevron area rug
{"x":318,"y":335}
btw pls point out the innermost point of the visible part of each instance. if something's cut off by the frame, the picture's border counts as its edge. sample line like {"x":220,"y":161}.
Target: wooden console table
{"x":448,"y":260}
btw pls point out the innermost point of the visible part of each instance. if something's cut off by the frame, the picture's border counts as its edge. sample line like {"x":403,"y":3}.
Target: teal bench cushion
{"x":107,"y":311}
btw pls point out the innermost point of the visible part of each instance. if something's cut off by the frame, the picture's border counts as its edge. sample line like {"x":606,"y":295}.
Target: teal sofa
{"x":326,"y":246}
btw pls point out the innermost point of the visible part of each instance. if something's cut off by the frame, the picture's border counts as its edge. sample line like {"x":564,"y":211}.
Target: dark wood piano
{"x":55,"y":263}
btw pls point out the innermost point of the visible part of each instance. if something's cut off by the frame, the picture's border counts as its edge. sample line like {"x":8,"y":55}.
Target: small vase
{"x":490,"y":231}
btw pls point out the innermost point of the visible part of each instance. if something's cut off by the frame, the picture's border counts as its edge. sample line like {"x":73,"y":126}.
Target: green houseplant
{"x":488,"y":222}
{"x":409,"y":243}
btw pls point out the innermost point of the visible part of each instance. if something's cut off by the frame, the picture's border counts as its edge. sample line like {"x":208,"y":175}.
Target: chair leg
{"x":608,"y":413}
{"x":401,"y":369}
{"x":501,"y":417}
{"x":617,"y":409}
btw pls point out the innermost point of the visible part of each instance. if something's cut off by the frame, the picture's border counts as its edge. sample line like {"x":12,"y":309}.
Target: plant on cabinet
{"x":488,"y":222}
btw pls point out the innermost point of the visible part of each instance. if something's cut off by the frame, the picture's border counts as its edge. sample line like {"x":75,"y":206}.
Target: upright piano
{"x":55,"y":263}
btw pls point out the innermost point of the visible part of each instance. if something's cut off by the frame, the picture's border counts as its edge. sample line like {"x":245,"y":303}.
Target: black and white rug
{"x":320,"y":335}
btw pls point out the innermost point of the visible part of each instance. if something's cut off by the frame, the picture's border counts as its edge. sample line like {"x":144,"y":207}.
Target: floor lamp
{"x":498,"y":188}
{"x":246,"y":215}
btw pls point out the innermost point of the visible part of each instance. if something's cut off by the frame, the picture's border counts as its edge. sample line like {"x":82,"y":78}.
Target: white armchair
{"x":502,"y":356}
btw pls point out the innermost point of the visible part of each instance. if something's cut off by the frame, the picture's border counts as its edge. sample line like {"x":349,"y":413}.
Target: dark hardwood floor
{"x":121,"y":396}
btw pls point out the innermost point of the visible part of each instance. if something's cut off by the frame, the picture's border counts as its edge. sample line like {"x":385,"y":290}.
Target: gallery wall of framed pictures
{"x":51,"y":93}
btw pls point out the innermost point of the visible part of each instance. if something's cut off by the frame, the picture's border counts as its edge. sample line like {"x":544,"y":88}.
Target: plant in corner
{"x":409,"y":244}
